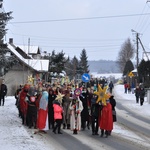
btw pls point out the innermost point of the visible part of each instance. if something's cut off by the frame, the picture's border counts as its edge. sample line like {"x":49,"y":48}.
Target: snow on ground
{"x":14,"y":136}
{"x":130,"y":103}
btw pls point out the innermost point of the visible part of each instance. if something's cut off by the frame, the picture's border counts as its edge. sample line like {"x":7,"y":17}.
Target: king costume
{"x":42,"y":119}
{"x":76,"y":108}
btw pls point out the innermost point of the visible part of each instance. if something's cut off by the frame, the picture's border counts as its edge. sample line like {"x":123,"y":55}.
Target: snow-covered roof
{"x":29,"y":49}
{"x":146,"y":56}
{"x":36,"y":64}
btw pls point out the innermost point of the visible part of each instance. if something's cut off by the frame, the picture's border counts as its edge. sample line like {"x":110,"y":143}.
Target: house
{"x":29,"y":64}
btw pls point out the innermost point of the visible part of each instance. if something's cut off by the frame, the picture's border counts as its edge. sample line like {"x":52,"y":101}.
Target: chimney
{"x":10,"y":40}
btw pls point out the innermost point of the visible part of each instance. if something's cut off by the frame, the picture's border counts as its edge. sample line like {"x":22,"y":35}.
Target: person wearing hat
{"x":58,"y":111}
{"x":31,"y":99}
{"x":76,"y":108}
{"x":42,"y":119}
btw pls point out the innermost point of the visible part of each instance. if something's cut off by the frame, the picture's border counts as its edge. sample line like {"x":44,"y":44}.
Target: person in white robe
{"x":75,"y":114}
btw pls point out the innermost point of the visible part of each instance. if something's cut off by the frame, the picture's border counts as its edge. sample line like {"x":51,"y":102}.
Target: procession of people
{"x":69,"y":106}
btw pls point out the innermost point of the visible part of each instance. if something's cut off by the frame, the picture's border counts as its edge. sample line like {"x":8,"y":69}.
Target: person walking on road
{"x":111,"y":86}
{"x":137,"y":94}
{"x":142,"y":95}
{"x":3,"y":92}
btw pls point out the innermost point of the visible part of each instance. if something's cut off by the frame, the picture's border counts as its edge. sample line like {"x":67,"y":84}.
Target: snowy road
{"x":131,"y":131}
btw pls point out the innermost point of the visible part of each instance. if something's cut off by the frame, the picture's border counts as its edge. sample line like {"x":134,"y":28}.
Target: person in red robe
{"x":106,"y":119}
{"x":23,"y":105}
{"x":42,"y":119}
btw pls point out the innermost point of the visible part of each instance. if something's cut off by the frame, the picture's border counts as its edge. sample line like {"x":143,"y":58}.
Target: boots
{"x":75,"y":131}
{"x":68,"y":126}
{"x":64,"y":126}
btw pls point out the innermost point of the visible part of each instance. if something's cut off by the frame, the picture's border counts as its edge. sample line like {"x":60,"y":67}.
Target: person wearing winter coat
{"x":17,"y":96}
{"x":51,"y":99}
{"x":95,"y":112}
{"x":137,"y":94}
{"x":114,"y":114}
{"x":31,"y":99}
{"x":58,"y":112}
{"x":76,"y":108}
{"x":113,"y":104}
{"x":3,"y":92}
{"x":66,"y":113}
{"x":111,"y":86}
{"x":142,"y":95}
{"x":85,"y":113}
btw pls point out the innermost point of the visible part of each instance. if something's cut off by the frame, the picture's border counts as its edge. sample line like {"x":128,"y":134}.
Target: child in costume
{"x":75,"y":117}
{"x":58,"y":112}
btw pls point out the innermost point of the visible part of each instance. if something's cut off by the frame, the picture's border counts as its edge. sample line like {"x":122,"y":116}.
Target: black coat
{"x":85,"y":112}
{"x":3,"y":91}
{"x":51,"y":100}
{"x":142,"y":93}
{"x":113,"y":104}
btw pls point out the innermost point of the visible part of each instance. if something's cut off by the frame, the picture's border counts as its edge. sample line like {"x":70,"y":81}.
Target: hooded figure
{"x":42,"y":119}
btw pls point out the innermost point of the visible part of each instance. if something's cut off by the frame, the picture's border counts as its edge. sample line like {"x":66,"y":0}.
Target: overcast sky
{"x":99,"y":26}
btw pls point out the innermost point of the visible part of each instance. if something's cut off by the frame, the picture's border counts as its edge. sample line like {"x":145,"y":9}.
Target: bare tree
{"x":126,"y":53}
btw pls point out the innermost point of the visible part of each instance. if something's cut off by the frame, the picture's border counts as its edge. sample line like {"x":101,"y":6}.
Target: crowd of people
{"x":66,"y":106}
{"x":138,"y":90}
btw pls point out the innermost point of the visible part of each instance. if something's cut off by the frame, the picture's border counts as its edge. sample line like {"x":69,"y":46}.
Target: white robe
{"x":75,"y":122}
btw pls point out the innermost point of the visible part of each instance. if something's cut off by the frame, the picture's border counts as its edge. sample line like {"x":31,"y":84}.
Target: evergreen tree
{"x":6,"y":62}
{"x":83,"y":64}
{"x":68,"y":67}
{"x":57,"y":61}
{"x":144,"y":72}
{"x":128,"y":67}
{"x":74,"y":67}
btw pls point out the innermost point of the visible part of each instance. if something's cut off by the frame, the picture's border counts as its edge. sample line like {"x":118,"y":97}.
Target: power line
{"x":78,"y":19}
{"x":35,"y":37}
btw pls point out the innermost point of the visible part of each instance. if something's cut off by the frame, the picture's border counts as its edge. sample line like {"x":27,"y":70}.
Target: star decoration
{"x":30,"y":79}
{"x":59,"y":97}
{"x":102,"y":95}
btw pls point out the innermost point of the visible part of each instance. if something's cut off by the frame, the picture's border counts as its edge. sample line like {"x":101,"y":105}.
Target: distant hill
{"x":103,"y":66}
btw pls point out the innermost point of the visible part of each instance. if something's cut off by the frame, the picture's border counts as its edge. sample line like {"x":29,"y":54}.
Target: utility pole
{"x":137,"y":50}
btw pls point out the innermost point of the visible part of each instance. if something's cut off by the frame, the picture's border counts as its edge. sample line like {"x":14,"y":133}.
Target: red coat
{"x":23,"y":103}
{"x":106,"y":119}
{"x":57,"y":111}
